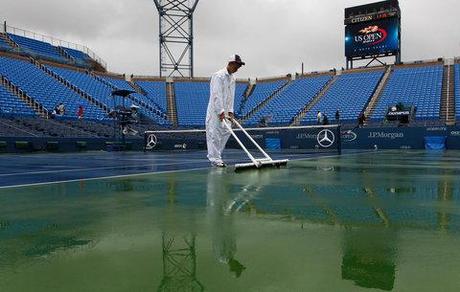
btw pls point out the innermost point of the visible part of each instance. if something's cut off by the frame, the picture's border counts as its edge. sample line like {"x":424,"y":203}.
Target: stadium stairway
{"x":66,"y":55}
{"x":137,"y":88}
{"x":74,"y":88}
{"x":246,"y":94}
{"x":299,"y":117}
{"x":249,"y":90}
{"x":5,"y":37}
{"x":171,"y":99}
{"x":378,"y":92}
{"x":36,"y":106}
{"x":457,"y":90}
{"x":447,"y":113}
{"x":265,"y":101}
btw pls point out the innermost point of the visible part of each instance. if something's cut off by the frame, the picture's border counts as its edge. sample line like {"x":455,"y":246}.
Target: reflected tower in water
{"x":178,"y":248}
{"x":179,"y":264}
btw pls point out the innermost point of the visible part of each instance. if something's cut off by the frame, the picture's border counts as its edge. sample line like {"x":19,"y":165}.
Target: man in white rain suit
{"x":222,"y":95}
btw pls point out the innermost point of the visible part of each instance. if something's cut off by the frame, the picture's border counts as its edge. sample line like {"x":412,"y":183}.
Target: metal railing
{"x":54,"y":41}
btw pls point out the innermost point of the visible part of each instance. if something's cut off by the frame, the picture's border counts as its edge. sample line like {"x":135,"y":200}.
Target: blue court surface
{"x":20,"y":170}
{"x":375,"y":221}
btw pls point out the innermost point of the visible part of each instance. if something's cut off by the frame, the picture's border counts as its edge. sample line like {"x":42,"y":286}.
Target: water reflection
{"x":367,"y":223}
{"x":179,"y":263}
{"x":369,"y":257}
{"x":178,"y":246}
{"x":445,"y":198}
{"x":220,"y":208}
{"x":29,"y":233}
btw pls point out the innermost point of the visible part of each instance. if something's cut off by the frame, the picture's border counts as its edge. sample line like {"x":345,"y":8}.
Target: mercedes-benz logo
{"x":325,"y":138}
{"x":152,"y":142}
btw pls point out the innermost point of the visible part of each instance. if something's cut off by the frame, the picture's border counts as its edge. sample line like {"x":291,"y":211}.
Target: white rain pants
{"x":216,"y":138}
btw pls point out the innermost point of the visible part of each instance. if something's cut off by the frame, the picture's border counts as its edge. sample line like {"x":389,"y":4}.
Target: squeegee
{"x":256,"y":163}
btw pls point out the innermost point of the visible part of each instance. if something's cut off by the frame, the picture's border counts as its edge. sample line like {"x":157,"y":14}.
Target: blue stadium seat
{"x":79,"y":56}
{"x":262,"y":91}
{"x":283,"y":108}
{"x":47,"y":90}
{"x":33,"y":47}
{"x":349,"y":94}
{"x":457,"y":90}
{"x":192,"y":103}
{"x":101,"y":91}
{"x":4,"y":46}
{"x":156,"y":92}
{"x":10,"y":104}
{"x":418,"y":86}
{"x":240,"y":88}
{"x":123,"y":84}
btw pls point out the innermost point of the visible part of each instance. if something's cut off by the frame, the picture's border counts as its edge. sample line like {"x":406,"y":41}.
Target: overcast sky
{"x":273,"y":36}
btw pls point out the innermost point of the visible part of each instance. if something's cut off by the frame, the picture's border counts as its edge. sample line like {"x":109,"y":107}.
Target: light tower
{"x":176,"y":36}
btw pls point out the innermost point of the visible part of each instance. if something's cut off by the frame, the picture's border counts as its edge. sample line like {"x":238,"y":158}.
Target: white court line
{"x":96,"y":168}
{"x":156,"y":172}
{"x":100,"y":178}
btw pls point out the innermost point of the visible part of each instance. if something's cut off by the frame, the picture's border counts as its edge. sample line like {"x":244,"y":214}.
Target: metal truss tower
{"x":176,"y":36}
{"x":179,"y":264}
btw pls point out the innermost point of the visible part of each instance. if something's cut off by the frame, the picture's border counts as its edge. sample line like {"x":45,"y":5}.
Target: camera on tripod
{"x":124,"y":116}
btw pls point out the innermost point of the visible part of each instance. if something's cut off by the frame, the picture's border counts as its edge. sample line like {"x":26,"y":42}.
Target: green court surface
{"x":381,"y":221}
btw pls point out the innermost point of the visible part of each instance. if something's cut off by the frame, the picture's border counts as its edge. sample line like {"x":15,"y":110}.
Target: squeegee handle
{"x":251,"y":139}
{"x":229,"y":128}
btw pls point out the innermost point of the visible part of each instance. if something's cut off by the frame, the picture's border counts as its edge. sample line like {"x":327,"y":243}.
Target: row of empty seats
{"x":156,"y":91}
{"x":155,"y":112}
{"x":191,"y":103}
{"x":99,"y":90}
{"x":10,"y":104}
{"x":417,"y":86}
{"x":240,"y":89}
{"x":283,"y":108}
{"x":457,"y":90}
{"x":46,"y":89}
{"x":349,"y":94}
{"x":34,"y":46}
{"x":3,"y":44}
{"x":42,"y":49}
{"x":77,"y":55}
{"x":262,"y":91}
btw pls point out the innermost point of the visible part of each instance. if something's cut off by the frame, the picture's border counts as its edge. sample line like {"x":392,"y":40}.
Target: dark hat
{"x":236,"y":59}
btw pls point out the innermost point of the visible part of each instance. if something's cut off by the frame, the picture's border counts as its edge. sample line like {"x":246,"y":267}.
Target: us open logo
{"x":325,"y":138}
{"x":349,"y":136}
{"x":371,"y":35}
{"x":152,"y":142}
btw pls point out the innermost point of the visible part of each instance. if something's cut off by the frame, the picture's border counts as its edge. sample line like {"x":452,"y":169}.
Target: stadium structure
{"x":404,"y":103}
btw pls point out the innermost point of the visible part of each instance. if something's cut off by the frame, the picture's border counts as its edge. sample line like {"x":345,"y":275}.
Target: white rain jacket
{"x":221,"y":99}
{"x":222,"y":93}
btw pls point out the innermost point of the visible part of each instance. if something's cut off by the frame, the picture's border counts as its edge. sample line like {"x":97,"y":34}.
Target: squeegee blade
{"x":262,"y":164}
